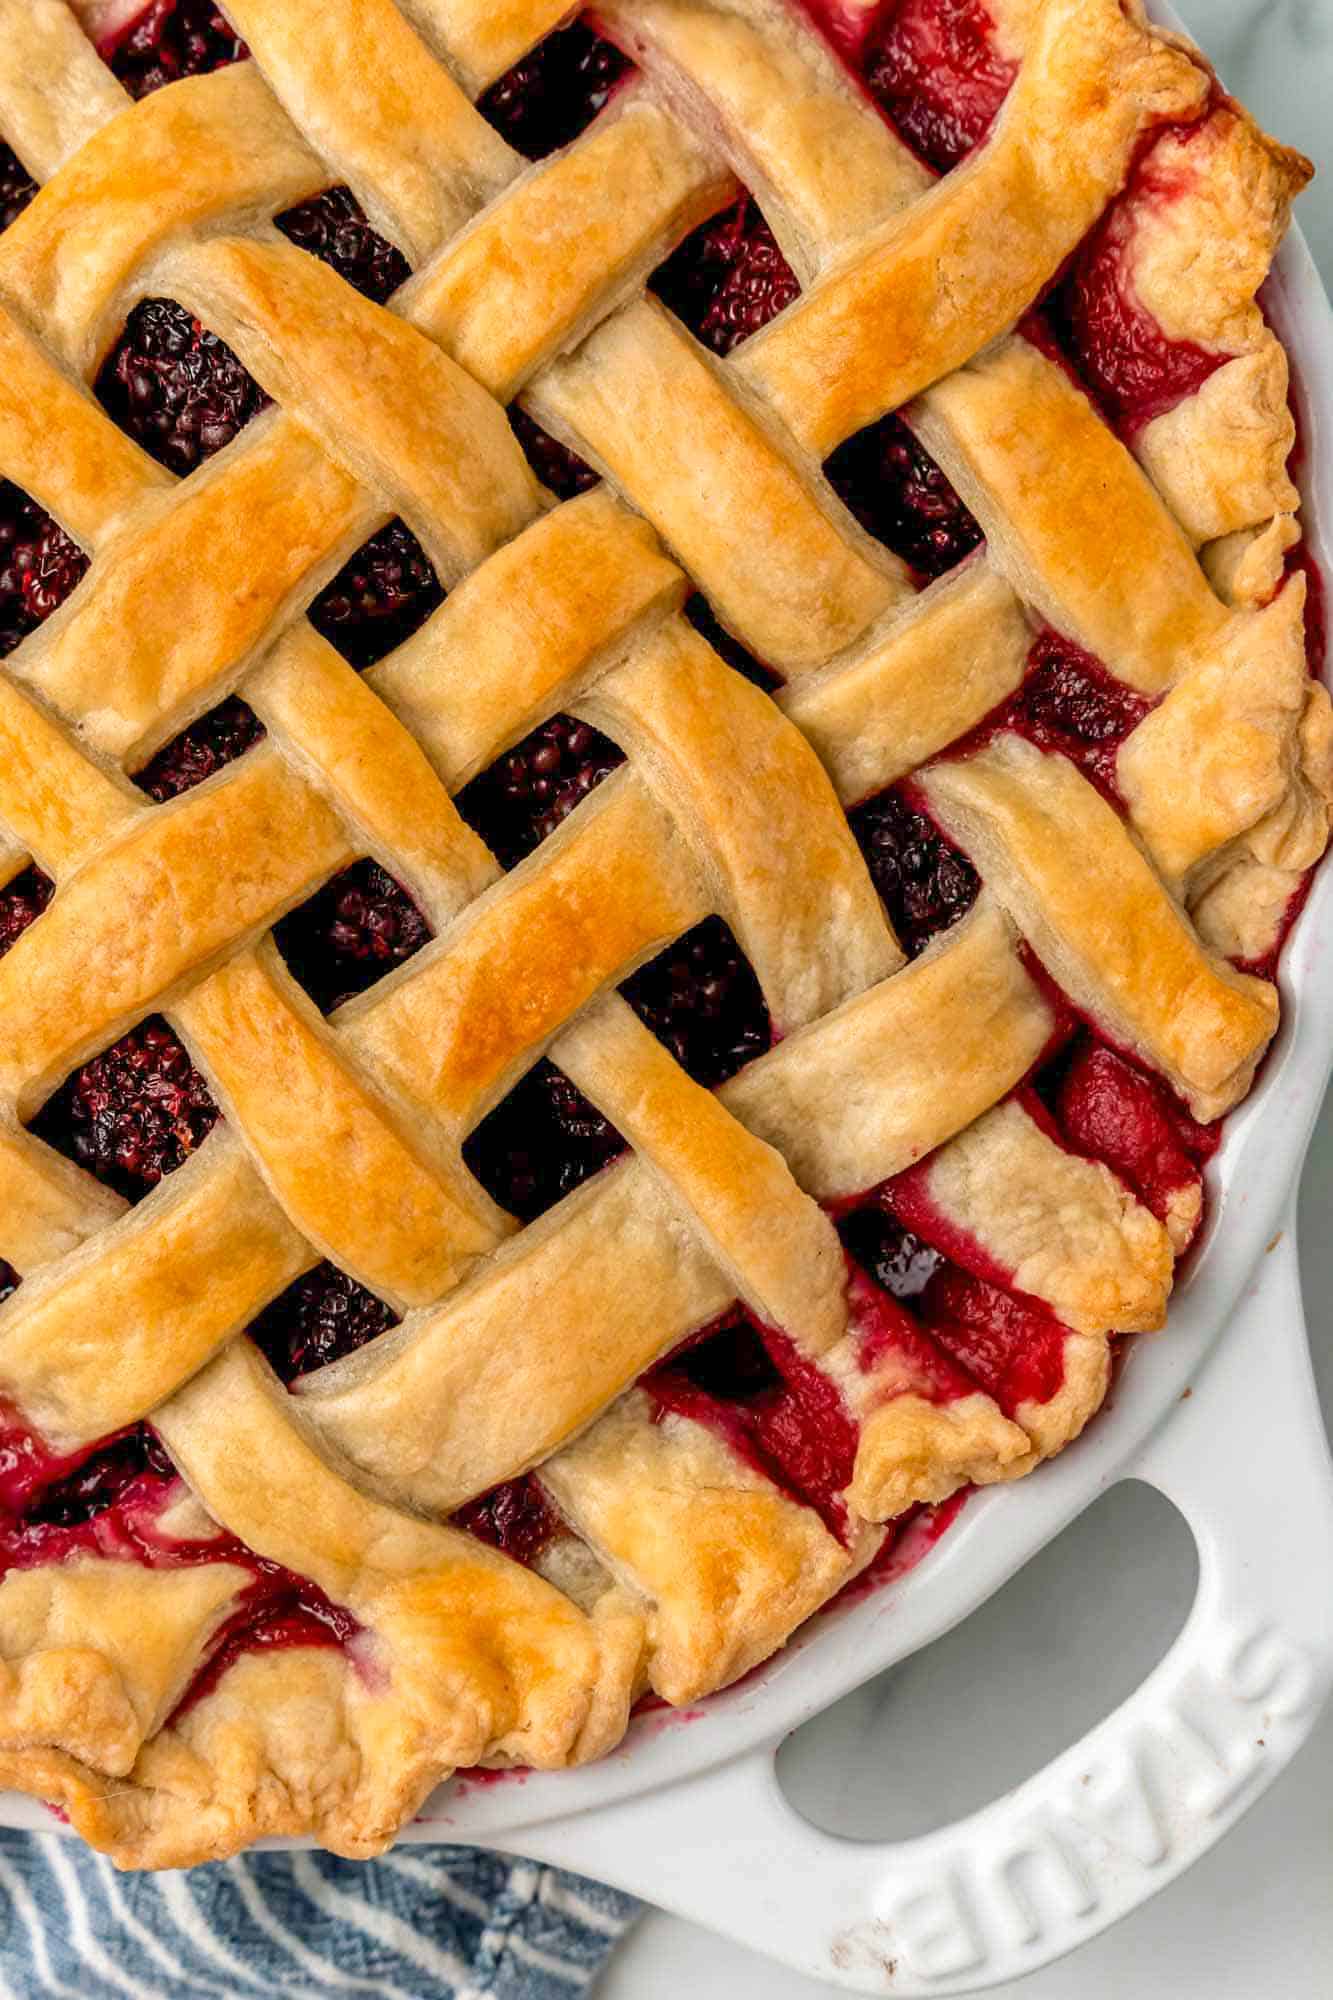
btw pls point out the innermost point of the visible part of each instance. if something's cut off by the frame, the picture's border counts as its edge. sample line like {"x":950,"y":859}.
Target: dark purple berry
{"x":355,"y":929}
{"x":925,"y":882}
{"x":525,"y":795}
{"x":132,"y":1114}
{"x":380,"y":597}
{"x":320,"y":1318}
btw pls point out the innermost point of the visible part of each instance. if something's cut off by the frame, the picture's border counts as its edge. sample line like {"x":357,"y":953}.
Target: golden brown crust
{"x":769,"y":544}
{"x":916,"y":1453}
{"x":1232,"y":777}
{"x":999,"y":427}
{"x":1101,"y":922}
{"x":729,"y":1565}
{"x":926,"y":675}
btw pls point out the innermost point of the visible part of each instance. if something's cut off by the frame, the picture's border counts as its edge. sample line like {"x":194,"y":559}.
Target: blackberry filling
{"x":21,"y":903}
{"x":925,"y":882}
{"x":319,"y":1319}
{"x":557,"y":467}
{"x":515,"y":1518}
{"x":333,"y":227}
{"x":557,"y":90}
{"x":379,"y":598}
{"x":17,"y":186}
{"x":1070,"y":703}
{"x":277,"y":1612}
{"x":934,"y":69}
{"x":728,"y":278}
{"x":217,"y":739}
{"x":726,"y":1359}
{"x":774,"y":1408}
{"x":101,"y":1480}
{"x":169,"y":40}
{"x":701,"y":999}
{"x":700,"y":614}
{"x":175,"y":387}
{"x":132,"y":1114}
{"x":355,"y":929}
{"x":39,"y":566}
{"x":899,"y":1262}
{"x":526,"y":794}
{"x":901,"y":497}
{"x":540,"y":1143}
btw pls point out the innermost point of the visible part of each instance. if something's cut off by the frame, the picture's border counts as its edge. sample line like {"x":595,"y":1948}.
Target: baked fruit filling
{"x":964,"y":1350}
{"x":780,"y":1413}
{"x":123,"y":1500}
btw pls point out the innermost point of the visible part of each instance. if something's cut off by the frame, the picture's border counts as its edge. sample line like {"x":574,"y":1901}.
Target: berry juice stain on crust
{"x":132,"y":1114}
{"x":106,"y":1502}
{"x":1134,"y":370}
{"x":279,"y":1611}
{"x":778,"y":1411}
{"x":1115,"y":1113}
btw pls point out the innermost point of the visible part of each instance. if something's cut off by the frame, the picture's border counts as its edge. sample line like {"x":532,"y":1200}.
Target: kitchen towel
{"x":423,"y":1923}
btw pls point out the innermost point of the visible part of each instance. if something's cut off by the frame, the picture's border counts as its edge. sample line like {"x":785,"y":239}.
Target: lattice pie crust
{"x":679,"y":1558}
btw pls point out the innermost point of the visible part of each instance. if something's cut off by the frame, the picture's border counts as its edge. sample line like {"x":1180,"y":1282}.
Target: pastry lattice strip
{"x":872,"y":589}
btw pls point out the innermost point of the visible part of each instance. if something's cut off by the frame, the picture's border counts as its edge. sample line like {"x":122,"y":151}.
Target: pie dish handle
{"x":1113,"y":1819}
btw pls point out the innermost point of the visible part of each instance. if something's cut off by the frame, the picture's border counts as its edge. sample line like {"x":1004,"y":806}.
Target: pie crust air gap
{"x":655,"y":745}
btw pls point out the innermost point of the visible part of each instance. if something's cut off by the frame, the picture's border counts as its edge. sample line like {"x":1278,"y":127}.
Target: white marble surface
{"x":1254,"y":1921}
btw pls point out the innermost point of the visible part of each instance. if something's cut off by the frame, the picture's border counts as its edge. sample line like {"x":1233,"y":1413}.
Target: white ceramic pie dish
{"x":688,"y":1811}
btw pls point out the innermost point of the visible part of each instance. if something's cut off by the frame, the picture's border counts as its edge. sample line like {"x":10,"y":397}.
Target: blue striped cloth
{"x":423,"y":1923}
